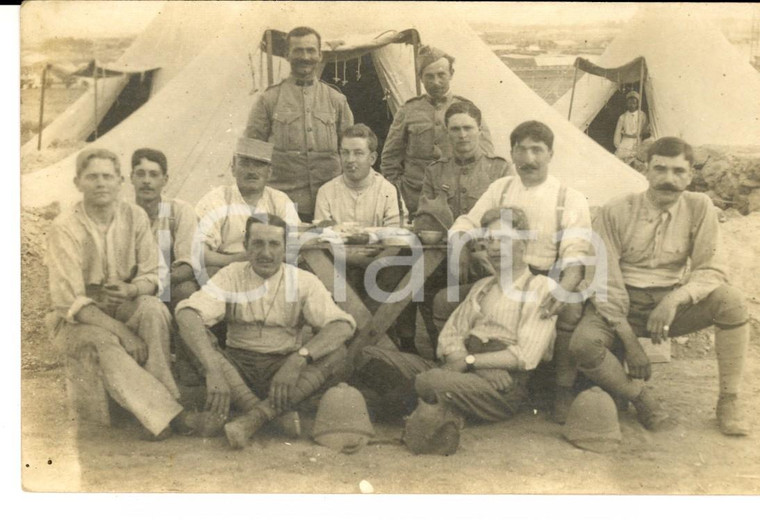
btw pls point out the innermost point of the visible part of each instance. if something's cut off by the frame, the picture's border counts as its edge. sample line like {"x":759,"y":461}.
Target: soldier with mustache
{"x":303,"y":118}
{"x":666,"y":276}
{"x":174,"y":219}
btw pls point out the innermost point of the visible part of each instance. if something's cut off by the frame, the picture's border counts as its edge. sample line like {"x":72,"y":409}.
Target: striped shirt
{"x":223,"y":213}
{"x":82,"y":259}
{"x":489,"y":313}
{"x":539,"y":204}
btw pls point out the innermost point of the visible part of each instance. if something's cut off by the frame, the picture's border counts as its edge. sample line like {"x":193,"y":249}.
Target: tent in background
{"x":200,"y":102}
{"x":697,"y":87}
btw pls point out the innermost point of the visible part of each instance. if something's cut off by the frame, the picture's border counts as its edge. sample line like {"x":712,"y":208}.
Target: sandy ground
{"x":526,"y":455}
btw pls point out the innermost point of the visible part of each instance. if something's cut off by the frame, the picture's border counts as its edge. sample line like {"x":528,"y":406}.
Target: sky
{"x":44,"y":18}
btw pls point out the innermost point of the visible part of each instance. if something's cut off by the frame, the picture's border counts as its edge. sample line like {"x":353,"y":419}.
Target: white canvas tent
{"x":697,"y":87}
{"x":202,"y":106}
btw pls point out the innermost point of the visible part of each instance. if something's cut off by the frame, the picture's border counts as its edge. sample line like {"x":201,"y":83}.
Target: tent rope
{"x":358,"y":68}
{"x":344,"y":81}
{"x":336,"y":78}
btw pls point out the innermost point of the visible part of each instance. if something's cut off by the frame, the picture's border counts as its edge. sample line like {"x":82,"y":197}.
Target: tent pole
{"x":42,"y":106}
{"x":572,"y":94}
{"x":270,"y":71}
{"x":641,"y":96}
{"x":95,"y":90}
{"x":416,"y":45}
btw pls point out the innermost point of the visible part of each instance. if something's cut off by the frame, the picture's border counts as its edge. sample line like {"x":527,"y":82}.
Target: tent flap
{"x":628,"y":73}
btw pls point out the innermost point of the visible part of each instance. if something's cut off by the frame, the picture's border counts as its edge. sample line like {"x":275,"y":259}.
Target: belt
{"x":653,"y":288}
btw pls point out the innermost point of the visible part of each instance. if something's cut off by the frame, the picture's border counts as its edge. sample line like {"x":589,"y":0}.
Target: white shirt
{"x":223,"y":212}
{"x":375,"y":204}
{"x":540,"y":206}
{"x":268,"y":320}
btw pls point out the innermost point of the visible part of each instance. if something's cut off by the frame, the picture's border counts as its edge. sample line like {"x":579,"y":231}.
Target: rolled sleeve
{"x":186,"y":223}
{"x":490,"y":199}
{"x":209,"y":302}
{"x":319,"y":309}
{"x":577,"y":218}
{"x":455,"y":331}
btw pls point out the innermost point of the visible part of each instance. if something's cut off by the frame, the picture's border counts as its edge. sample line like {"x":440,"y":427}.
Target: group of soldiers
{"x":527,"y":296}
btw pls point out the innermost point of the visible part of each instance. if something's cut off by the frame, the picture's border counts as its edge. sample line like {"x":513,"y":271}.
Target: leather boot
{"x":238,"y":431}
{"x":651,"y":414}
{"x":731,"y":420}
{"x":562,"y":400}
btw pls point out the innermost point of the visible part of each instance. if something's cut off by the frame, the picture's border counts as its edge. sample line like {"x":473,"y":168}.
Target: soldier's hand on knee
{"x":284,"y":381}
{"x":499,"y":378}
{"x":638,"y":363}
{"x":135,"y":346}
{"x":217,"y":393}
{"x":658,"y":324}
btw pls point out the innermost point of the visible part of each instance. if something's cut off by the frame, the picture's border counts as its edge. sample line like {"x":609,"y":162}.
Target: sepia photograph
{"x":394,"y":248}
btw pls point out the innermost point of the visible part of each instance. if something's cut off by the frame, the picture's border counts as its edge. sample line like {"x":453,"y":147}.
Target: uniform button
{"x":311,"y":149}
{"x":308,"y":129}
{"x":308,"y":110}
{"x":464,"y":190}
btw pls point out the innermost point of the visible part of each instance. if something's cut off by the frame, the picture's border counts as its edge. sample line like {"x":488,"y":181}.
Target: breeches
{"x":724,"y":308}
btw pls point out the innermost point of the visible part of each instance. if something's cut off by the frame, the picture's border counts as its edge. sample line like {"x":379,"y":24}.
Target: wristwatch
{"x":304,"y":353}
{"x":469,"y":361}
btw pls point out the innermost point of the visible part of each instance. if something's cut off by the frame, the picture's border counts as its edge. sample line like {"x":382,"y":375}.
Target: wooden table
{"x":371,"y":327}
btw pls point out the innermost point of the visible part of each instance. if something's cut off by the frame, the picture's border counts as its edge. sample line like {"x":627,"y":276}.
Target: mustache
{"x":666,"y":186}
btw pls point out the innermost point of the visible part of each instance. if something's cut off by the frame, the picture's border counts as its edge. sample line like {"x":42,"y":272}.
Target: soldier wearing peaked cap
{"x":417,"y":136}
{"x":223,"y":212}
{"x":303,"y":118}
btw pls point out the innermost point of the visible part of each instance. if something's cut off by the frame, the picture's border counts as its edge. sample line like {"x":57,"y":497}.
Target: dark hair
{"x":463,"y":107}
{"x":267,"y":219}
{"x":671,"y":147}
{"x":363,"y":131}
{"x":156,"y":156}
{"x":299,"y":32}
{"x":536,"y":130}
{"x":519,"y":218}
{"x":85,"y":156}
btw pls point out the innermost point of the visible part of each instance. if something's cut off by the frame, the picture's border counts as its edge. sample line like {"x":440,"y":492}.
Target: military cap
{"x":428,"y":55}
{"x":255,"y":149}
{"x":633,"y":94}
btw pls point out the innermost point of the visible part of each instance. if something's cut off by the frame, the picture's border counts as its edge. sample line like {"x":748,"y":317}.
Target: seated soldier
{"x":665,"y":276}
{"x":224,"y":211}
{"x":102,"y":260}
{"x":487,"y":348}
{"x":265,"y":370}
{"x":173,"y":222}
{"x":361,"y":194}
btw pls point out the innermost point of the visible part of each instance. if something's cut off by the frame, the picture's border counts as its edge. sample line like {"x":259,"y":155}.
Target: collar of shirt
{"x":549,"y":183}
{"x":467,"y":161}
{"x":303,"y":82}
{"x":438,"y":102}
{"x":654,"y":212}
{"x":361,"y":185}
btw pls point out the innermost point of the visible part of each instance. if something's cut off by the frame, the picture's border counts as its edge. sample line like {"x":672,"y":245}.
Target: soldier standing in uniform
{"x":417,"y":136}
{"x":303,"y":118}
